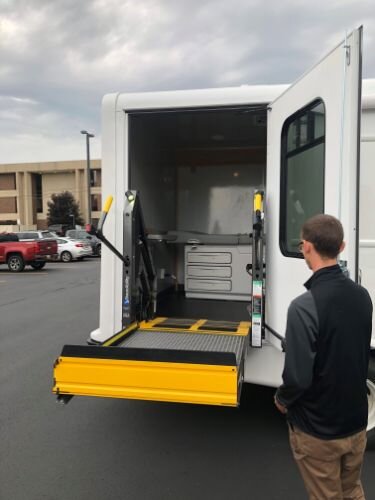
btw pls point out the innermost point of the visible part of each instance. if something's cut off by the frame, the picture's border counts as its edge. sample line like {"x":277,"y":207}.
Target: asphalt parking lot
{"x":104,"y":449}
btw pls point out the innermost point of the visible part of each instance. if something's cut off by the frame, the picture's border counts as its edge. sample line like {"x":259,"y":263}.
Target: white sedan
{"x":69,"y":249}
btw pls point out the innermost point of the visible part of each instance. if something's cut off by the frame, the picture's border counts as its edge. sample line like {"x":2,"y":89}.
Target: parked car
{"x":70,"y":249}
{"x":17,"y":254}
{"x":59,"y":229}
{"x":81,"y":234}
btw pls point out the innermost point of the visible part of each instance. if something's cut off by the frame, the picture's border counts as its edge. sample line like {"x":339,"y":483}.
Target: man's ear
{"x":308,"y":247}
{"x":343,"y":245}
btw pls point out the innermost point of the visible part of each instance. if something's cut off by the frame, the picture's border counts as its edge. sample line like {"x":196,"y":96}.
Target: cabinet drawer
{"x":209,"y":285}
{"x":209,"y":271}
{"x":209,"y":257}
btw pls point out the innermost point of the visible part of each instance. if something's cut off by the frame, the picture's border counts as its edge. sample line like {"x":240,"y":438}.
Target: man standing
{"x":324,"y":392}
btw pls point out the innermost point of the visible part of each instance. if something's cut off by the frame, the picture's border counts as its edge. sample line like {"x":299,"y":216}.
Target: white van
{"x":194,"y":159}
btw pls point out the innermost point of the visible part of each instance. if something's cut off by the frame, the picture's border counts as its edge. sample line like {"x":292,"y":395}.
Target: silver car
{"x":69,"y":249}
{"x":81,"y":234}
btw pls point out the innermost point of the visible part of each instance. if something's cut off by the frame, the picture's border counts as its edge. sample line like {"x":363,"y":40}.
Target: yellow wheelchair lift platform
{"x":166,"y":359}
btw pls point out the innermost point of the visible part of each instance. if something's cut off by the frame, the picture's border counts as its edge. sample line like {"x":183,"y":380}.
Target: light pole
{"x":73,"y":220}
{"x":88,"y":136}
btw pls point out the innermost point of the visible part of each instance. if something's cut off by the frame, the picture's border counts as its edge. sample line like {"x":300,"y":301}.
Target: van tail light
{"x":79,"y":245}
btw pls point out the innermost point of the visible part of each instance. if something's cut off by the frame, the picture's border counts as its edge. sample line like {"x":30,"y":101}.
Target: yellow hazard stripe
{"x":244,"y":328}
{"x":156,"y":324}
{"x":198,"y":328}
{"x":121,"y":334}
{"x":197,"y":325}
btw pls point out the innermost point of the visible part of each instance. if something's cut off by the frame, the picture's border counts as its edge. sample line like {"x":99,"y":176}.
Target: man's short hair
{"x":326,"y":233}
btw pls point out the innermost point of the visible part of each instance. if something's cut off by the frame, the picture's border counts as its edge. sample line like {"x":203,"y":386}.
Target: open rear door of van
{"x":312,"y":167}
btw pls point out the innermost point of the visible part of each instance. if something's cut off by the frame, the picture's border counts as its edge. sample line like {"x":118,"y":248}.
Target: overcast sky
{"x":59,"y":57}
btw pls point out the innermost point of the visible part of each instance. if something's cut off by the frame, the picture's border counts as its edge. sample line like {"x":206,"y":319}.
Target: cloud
{"x":60,"y":58}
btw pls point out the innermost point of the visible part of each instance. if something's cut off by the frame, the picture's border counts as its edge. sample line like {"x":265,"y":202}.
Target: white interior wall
{"x":217,"y":199}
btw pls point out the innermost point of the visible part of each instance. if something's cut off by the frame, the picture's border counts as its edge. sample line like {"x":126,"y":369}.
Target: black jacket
{"x":327,"y":354}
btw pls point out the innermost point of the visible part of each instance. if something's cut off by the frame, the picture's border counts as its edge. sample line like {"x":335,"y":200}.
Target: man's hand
{"x":282,"y":409}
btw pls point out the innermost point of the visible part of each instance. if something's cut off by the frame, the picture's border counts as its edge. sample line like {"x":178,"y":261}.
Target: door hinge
{"x":347,"y":53}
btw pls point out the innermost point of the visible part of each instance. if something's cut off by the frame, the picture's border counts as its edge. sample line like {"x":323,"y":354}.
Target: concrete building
{"x":25,"y":189}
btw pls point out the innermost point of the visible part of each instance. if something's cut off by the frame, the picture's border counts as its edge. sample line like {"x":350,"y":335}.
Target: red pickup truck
{"x":17,"y":254}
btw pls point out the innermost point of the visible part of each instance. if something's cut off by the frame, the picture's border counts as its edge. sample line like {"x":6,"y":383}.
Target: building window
{"x":302,"y":173}
{"x":7,"y":182}
{"x":8,"y":223}
{"x":96,"y":202}
{"x":95,"y":178}
{"x":38,"y":193}
{"x":8,"y":205}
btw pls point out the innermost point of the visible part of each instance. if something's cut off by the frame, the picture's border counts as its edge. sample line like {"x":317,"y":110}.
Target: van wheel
{"x":16,"y":264}
{"x":66,"y":256}
{"x":37,"y":265}
{"x":99,"y":250}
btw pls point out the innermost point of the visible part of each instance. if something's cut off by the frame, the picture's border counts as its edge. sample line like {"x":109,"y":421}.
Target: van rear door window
{"x":302,"y":173}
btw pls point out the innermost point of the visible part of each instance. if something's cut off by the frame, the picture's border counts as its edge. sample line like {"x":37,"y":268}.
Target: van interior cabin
{"x":196,"y":172}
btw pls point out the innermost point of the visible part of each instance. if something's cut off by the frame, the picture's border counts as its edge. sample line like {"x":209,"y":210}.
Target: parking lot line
{"x":31,"y":273}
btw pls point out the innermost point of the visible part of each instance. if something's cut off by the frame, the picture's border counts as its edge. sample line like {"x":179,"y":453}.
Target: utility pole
{"x":88,"y":137}
{"x":73,"y":220}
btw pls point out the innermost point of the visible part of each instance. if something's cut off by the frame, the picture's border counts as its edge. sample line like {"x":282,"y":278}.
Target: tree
{"x":63,"y":209}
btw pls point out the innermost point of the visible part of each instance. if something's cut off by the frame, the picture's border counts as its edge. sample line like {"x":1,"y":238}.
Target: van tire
{"x":16,"y":264}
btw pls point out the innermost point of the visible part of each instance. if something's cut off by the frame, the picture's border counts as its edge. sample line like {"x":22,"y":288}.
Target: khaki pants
{"x":330,"y":469}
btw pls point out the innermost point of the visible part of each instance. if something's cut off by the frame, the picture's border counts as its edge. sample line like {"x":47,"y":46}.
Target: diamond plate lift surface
{"x":160,"y":361}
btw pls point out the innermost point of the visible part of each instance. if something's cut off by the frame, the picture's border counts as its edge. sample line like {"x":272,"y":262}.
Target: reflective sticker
{"x":256,"y":317}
